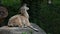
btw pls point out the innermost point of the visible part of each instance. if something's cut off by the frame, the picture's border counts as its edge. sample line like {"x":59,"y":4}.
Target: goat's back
{"x":16,"y":20}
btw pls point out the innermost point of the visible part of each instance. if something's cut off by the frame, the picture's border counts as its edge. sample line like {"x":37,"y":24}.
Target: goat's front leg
{"x":29,"y":25}
{"x":10,"y":23}
{"x":20,"y":23}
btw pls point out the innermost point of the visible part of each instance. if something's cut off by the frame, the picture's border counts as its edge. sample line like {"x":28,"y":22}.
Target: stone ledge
{"x":17,"y":30}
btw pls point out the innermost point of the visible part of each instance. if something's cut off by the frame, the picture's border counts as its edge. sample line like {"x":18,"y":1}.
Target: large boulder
{"x":17,"y":30}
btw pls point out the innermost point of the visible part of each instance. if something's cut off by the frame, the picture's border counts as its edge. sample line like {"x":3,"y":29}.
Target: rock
{"x":17,"y":30}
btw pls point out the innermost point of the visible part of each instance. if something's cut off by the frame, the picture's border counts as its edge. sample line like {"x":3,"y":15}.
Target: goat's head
{"x":24,"y":8}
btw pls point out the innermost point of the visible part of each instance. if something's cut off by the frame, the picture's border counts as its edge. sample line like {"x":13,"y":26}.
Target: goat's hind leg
{"x":11,"y":23}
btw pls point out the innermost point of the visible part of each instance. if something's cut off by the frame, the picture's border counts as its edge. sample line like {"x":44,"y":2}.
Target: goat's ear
{"x":27,"y":8}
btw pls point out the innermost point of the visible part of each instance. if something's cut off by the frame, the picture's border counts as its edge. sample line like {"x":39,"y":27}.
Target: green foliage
{"x":11,"y":2}
{"x":13,"y":5}
{"x":56,"y":1}
{"x":31,"y":32}
{"x":51,"y":16}
{"x":24,"y":33}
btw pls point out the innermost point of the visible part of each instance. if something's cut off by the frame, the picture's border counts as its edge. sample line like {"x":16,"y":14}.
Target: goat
{"x":22,"y":20}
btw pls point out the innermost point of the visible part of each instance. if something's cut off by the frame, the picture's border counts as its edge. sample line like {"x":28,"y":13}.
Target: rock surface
{"x":17,"y":30}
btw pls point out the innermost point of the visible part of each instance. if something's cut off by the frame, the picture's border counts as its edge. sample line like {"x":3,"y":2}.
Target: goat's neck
{"x":24,"y":11}
{"x":25,"y":14}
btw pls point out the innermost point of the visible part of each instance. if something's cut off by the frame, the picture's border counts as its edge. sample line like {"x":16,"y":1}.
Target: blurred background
{"x":45,"y":13}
